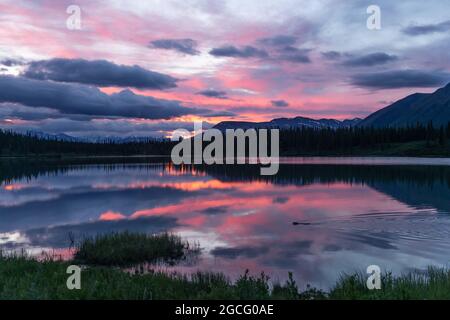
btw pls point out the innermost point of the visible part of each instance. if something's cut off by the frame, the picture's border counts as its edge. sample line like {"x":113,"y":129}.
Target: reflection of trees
{"x":308,"y":173}
{"x":413,"y":185}
{"x":14,"y":169}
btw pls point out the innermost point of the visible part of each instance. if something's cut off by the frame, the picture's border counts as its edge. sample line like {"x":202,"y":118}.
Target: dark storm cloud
{"x":87,"y":100}
{"x":219,"y":114}
{"x":213,"y":94}
{"x":418,"y":30}
{"x":401,"y":79}
{"x":293,"y":54}
{"x":12,"y":62}
{"x":370,"y":60}
{"x":85,"y":126}
{"x":282,"y":51}
{"x":331,"y":55}
{"x":235,"y":52}
{"x":279,"y":103}
{"x":298,"y":58}
{"x":279,"y":40}
{"x":98,"y":72}
{"x":17,"y":111}
{"x":186,"y":46}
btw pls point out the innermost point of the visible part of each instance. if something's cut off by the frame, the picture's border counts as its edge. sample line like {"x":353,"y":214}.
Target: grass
{"x":434,"y":283}
{"x":24,"y":277}
{"x":127,"y":249}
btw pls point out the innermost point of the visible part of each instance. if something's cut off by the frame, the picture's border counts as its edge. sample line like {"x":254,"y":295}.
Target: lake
{"x":317,"y":218}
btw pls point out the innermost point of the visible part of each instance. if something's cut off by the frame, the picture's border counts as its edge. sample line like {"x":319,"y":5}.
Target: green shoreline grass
{"x":128,"y":249}
{"x":26,"y":278}
{"x":102,"y":259}
{"x":431,"y":284}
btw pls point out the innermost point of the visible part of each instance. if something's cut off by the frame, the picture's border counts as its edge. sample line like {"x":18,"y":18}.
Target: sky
{"x":146,"y":68}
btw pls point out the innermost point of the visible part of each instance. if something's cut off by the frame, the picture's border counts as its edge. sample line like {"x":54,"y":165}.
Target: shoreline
{"x":48,"y":279}
{"x":304,"y":156}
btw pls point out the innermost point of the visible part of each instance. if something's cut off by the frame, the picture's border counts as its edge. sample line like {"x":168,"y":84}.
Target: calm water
{"x":351,"y":213}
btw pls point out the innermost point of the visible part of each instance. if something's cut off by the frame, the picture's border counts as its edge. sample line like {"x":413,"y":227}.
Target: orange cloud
{"x":111,"y":216}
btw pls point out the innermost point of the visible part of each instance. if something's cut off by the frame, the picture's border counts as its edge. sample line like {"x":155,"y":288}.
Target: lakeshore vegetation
{"x":25,"y":277}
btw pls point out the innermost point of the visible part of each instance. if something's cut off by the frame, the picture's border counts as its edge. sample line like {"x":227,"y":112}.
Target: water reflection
{"x":348,"y":216}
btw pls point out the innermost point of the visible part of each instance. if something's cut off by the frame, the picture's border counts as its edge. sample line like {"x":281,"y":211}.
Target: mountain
{"x":288,"y":123}
{"x":416,"y":108}
{"x":93,"y":139}
{"x":115,"y":139}
{"x":53,"y":137}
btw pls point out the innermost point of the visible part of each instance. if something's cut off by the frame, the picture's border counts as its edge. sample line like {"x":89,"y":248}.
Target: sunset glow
{"x":227,"y":60}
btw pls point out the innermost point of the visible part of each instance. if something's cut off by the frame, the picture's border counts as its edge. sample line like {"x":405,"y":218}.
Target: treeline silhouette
{"x":12,"y":143}
{"x":354,"y":139}
{"x":299,"y":141}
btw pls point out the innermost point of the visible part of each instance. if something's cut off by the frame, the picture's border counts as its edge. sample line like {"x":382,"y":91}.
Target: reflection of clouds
{"x":102,"y":178}
{"x":85,"y":204}
{"x":7,"y":238}
{"x":381,"y":240}
{"x":233,"y":253}
{"x":280,"y":200}
{"x":14,"y":186}
{"x":58,"y":236}
{"x":314,"y":252}
{"x":244,"y":213}
{"x":331,"y":247}
{"x":113,"y":175}
{"x":215,"y":210}
{"x":16,"y":197}
{"x":239,"y":224}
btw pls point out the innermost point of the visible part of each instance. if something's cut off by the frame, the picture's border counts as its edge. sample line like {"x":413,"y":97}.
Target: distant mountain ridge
{"x":288,"y":123}
{"x":53,"y":137}
{"x":421,"y":108}
{"x":416,"y":108}
{"x":67,"y":138}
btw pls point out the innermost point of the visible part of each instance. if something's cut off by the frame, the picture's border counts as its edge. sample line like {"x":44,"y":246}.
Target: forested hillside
{"x":413,"y":140}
